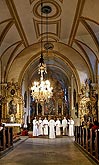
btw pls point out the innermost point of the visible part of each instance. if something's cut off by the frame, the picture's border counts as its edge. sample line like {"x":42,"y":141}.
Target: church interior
{"x":49,"y":63}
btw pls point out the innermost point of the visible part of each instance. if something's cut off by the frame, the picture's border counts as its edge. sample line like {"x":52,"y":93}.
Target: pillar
{"x":0,"y":76}
{"x":62,"y":108}
{"x":28,"y":106}
{"x":98,"y":100}
{"x":98,"y":89}
{"x":25,"y":117}
{"x":42,"y":104}
{"x":56,"y":111}
{"x":37,"y":108}
{"x":72,"y":98}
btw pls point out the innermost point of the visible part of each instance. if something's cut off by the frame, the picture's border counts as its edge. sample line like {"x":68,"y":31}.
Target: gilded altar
{"x":88,"y":102}
{"x":12,"y":104}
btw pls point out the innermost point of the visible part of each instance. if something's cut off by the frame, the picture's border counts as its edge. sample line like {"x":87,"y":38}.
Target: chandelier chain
{"x":42,"y":90}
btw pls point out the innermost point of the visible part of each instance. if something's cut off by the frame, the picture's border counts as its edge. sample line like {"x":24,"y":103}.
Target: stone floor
{"x":44,"y":151}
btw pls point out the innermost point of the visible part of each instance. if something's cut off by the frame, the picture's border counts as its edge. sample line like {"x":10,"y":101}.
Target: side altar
{"x":88,"y":102}
{"x":12,"y":106}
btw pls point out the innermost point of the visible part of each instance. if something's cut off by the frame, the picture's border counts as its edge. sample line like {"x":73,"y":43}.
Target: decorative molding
{"x":61,"y":1}
{"x":78,"y":13}
{"x":6,"y":29}
{"x":13,"y":11}
{"x":78,"y":43}
{"x":37,"y":24}
{"x":31,"y":1}
{"x":12,"y":58}
{"x":51,"y":3}
{"x":89,"y":29}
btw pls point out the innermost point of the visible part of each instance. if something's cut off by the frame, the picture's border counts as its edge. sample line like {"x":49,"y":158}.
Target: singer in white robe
{"x":71,"y":127}
{"x":45,"y":126}
{"x":51,"y":129}
{"x":64,"y":125}
{"x":35,"y":127}
{"x":58,"y":125}
{"x":40,"y":126}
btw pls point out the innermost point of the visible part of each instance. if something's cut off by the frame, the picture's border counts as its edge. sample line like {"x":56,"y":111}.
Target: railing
{"x":6,"y":138}
{"x":88,"y":140}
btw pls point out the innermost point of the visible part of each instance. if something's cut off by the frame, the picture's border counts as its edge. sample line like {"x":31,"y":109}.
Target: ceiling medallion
{"x":48,"y":46}
{"x":46,"y":9}
{"x":53,"y":9}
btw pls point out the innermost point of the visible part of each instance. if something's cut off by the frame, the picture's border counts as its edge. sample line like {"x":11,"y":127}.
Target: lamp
{"x":42,"y":90}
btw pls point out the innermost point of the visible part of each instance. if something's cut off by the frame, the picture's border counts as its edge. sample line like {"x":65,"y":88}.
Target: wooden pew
{"x":1,"y":140}
{"x":97,"y":144}
{"x":92,"y":142}
{"x":6,"y":138}
{"x":84,"y":137}
{"x":88,"y":141}
{"x":81,"y":136}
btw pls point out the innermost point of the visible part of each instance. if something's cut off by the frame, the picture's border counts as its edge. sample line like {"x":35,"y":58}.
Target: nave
{"x":44,"y":151}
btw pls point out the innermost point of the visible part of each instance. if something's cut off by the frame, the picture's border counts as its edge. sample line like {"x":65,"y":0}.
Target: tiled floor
{"x":44,"y":151}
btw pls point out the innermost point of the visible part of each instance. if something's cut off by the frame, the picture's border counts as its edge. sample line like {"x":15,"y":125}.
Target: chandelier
{"x":42,"y":90}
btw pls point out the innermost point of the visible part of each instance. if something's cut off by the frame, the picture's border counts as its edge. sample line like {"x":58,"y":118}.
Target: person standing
{"x":51,"y":128}
{"x":64,"y":125}
{"x":35,"y":127}
{"x":58,"y":125}
{"x":40,"y":126}
{"x":71,"y":127}
{"x":45,"y":126}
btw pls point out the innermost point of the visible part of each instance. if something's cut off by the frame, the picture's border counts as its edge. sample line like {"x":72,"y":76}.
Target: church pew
{"x":81,"y":136}
{"x":84,"y":137}
{"x":6,"y":138}
{"x":89,"y":142}
{"x":87,"y":139}
{"x":97,"y":144}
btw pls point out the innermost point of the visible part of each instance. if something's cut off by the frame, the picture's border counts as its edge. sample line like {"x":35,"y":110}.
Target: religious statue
{"x":12,"y":107}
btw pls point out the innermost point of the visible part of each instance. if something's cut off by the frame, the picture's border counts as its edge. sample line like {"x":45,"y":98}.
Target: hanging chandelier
{"x":42,"y":90}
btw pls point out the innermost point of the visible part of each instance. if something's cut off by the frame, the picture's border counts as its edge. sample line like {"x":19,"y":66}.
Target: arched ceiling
{"x":73,"y":31}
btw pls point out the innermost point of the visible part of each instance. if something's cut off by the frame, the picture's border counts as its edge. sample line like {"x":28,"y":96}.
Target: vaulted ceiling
{"x":73,"y":36}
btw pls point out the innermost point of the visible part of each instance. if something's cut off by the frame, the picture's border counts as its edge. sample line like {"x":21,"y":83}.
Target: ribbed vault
{"x":73,"y":29}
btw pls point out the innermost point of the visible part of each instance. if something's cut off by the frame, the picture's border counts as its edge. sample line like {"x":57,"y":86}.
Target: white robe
{"x":51,"y":129}
{"x":40,"y":127}
{"x":58,"y":124}
{"x":71,"y":127}
{"x":64,"y":125}
{"x":35,"y":127}
{"x":45,"y":126}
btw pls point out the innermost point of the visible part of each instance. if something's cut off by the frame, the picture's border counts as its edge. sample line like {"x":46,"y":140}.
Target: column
{"x":98,"y":99}
{"x":72,"y":99}
{"x":0,"y":76}
{"x":25,"y":117}
{"x":28,"y":106}
{"x":42,"y":104}
{"x":37,"y":108}
{"x":56,"y":107}
{"x":69,"y":99}
{"x":98,"y":90}
{"x":62,"y":108}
